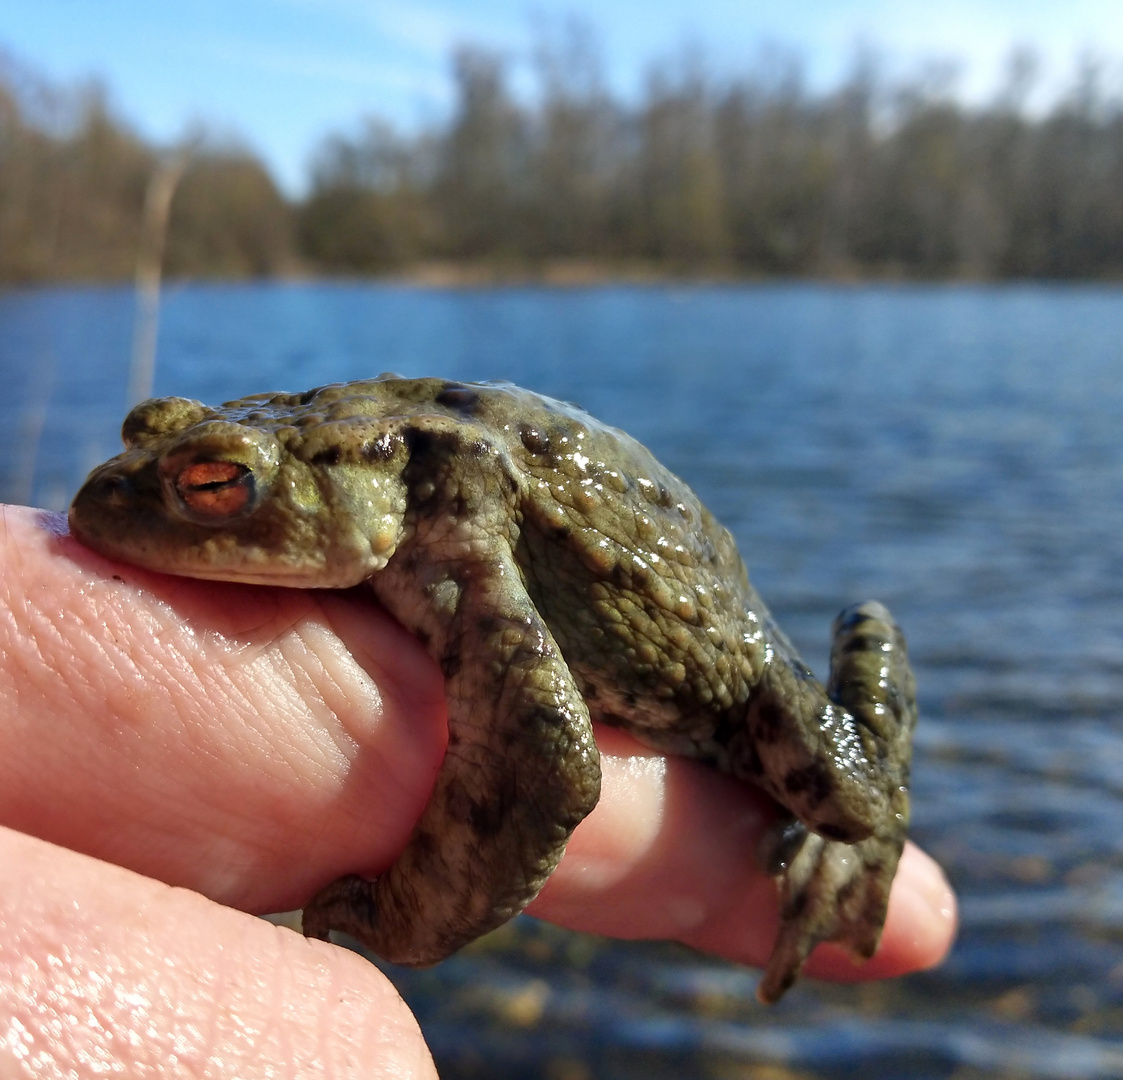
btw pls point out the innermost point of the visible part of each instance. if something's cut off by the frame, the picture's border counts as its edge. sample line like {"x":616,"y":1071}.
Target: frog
{"x":558,"y":574}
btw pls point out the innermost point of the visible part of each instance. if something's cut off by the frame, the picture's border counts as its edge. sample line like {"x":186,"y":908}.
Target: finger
{"x":670,"y":852}
{"x":104,"y":971}
{"x":250,"y":743}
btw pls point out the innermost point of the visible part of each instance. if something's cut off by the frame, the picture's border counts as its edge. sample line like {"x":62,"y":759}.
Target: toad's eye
{"x":215,"y":489}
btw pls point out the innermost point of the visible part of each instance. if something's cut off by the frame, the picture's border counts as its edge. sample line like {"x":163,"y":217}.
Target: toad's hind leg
{"x":829,"y":890}
{"x":520,"y":772}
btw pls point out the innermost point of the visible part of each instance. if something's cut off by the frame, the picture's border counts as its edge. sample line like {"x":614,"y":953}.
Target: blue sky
{"x":281,"y":73}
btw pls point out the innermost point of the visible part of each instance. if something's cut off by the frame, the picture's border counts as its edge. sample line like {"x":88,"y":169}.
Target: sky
{"x":281,"y":74}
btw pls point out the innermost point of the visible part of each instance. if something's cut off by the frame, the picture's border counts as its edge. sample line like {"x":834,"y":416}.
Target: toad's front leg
{"x":520,"y":772}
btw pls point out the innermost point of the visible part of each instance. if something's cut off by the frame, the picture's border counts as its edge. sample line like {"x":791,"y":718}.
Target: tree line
{"x":753,"y":174}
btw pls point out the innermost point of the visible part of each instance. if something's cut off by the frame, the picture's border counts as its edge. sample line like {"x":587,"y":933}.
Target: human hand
{"x":174,"y":753}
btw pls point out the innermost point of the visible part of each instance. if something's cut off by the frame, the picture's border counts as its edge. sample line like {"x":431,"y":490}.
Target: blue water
{"x":955,"y":451}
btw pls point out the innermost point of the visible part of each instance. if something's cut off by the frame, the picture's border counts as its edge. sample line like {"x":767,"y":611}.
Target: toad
{"x":558,"y":574}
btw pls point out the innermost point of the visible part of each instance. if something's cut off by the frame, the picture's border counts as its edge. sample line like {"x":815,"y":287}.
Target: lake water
{"x":956,"y":452}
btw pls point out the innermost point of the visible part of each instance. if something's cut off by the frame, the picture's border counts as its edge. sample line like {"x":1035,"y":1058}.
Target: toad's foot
{"x":829,"y":891}
{"x":832,"y":891}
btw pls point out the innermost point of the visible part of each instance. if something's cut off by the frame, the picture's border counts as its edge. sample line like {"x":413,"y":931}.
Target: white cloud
{"x":396,"y":74}
{"x":424,"y":29}
{"x":980,"y":33}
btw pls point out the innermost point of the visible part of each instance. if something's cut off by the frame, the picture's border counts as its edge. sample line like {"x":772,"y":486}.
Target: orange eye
{"x":215,"y":489}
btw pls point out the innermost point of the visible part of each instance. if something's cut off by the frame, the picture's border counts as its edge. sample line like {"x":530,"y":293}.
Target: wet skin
{"x":555,"y":571}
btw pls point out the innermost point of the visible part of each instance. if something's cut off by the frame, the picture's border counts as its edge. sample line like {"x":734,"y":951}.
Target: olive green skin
{"x":556,"y":572}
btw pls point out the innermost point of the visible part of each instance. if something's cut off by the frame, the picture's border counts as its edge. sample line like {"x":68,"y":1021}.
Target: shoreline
{"x":575,"y":273}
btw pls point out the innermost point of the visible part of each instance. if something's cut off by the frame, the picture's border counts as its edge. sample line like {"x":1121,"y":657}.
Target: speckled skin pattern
{"x":555,"y":571}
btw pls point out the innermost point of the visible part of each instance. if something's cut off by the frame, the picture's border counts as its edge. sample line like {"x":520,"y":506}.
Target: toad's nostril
{"x":114,"y":486}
